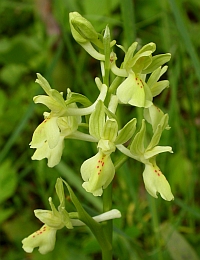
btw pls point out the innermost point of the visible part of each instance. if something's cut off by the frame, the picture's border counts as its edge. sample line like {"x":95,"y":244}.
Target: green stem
{"x":106,"y":43}
{"x":128,"y":18}
{"x":108,"y":227}
{"x":155,"y":225}
{"x":107,"y":194}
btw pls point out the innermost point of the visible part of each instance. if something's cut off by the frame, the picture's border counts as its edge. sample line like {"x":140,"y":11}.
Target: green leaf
{"x":8,"y":181}
{"x":94,"y":226}
{"x":5,"y":214}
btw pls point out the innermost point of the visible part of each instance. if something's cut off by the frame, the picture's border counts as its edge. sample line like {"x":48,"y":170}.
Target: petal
{"x":47,"y":217}
{"x":155,"y":75}
{"x":49,"y":102}
{"x":159,"y":87}
{"x":155,"y":182}
{"x":53,"y":155}
{"x":125,"y":90}
{"x":126,"y":132}
{"x":153,"y":115}
{"x":97,"y":172}
{"x":68,"y":124}
{"x":52,"y":132}
{"x":110,"y":130}
{"x":97,"y":120}
{"x":39,"y":136}
{"x":54,"y":94}
{"x":136,"y":92}
{"x":56,"y":153}
{"x":137,"y":146}
{"x":41,"y":152}
{"x":106,"y":146}
{"x":44,"y":239}
{"x":156,"y":150}
{"x":157,"y":61}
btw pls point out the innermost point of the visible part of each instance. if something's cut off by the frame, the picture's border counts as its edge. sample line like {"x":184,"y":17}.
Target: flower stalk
{"x":135,"y":83}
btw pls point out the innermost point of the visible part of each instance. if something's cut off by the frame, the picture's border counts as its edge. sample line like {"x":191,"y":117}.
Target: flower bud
{"x":82,"y":30}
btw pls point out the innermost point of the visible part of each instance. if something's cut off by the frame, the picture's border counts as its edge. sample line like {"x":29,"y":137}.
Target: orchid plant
{"x":136,"y":82}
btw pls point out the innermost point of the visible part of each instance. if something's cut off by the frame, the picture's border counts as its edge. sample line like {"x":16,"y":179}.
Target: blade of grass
{"x":128,"y":18}
{"x":185,"y":36}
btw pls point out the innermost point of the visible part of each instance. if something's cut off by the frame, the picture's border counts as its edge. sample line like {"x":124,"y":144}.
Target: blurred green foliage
{"x":35,"y":37}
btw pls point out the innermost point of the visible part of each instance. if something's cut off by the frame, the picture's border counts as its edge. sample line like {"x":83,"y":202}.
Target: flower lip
{"x":44,"y":238}
{"x":155,"y":182}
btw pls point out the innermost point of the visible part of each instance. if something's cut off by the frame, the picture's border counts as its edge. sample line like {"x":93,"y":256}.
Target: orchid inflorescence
{"x":136,"y":82}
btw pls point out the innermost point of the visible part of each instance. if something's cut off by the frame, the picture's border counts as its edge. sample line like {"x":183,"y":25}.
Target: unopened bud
{"x":82,"y":30}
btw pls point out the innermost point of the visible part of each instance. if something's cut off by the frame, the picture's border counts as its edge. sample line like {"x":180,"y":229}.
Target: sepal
{"x":143,"y":58}
{"x":137,"y":145}
{"x":158,"y":132}
{"x":97,"y":120}
{"x":110,"y":130}
{"x":126,"y":132}
{"x":156,"y":86}
{"x":154,"y":116}
{"x":157,"y":61}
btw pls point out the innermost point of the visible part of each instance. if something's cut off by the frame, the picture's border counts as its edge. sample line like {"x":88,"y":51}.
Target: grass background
{"x":35,"y":37}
